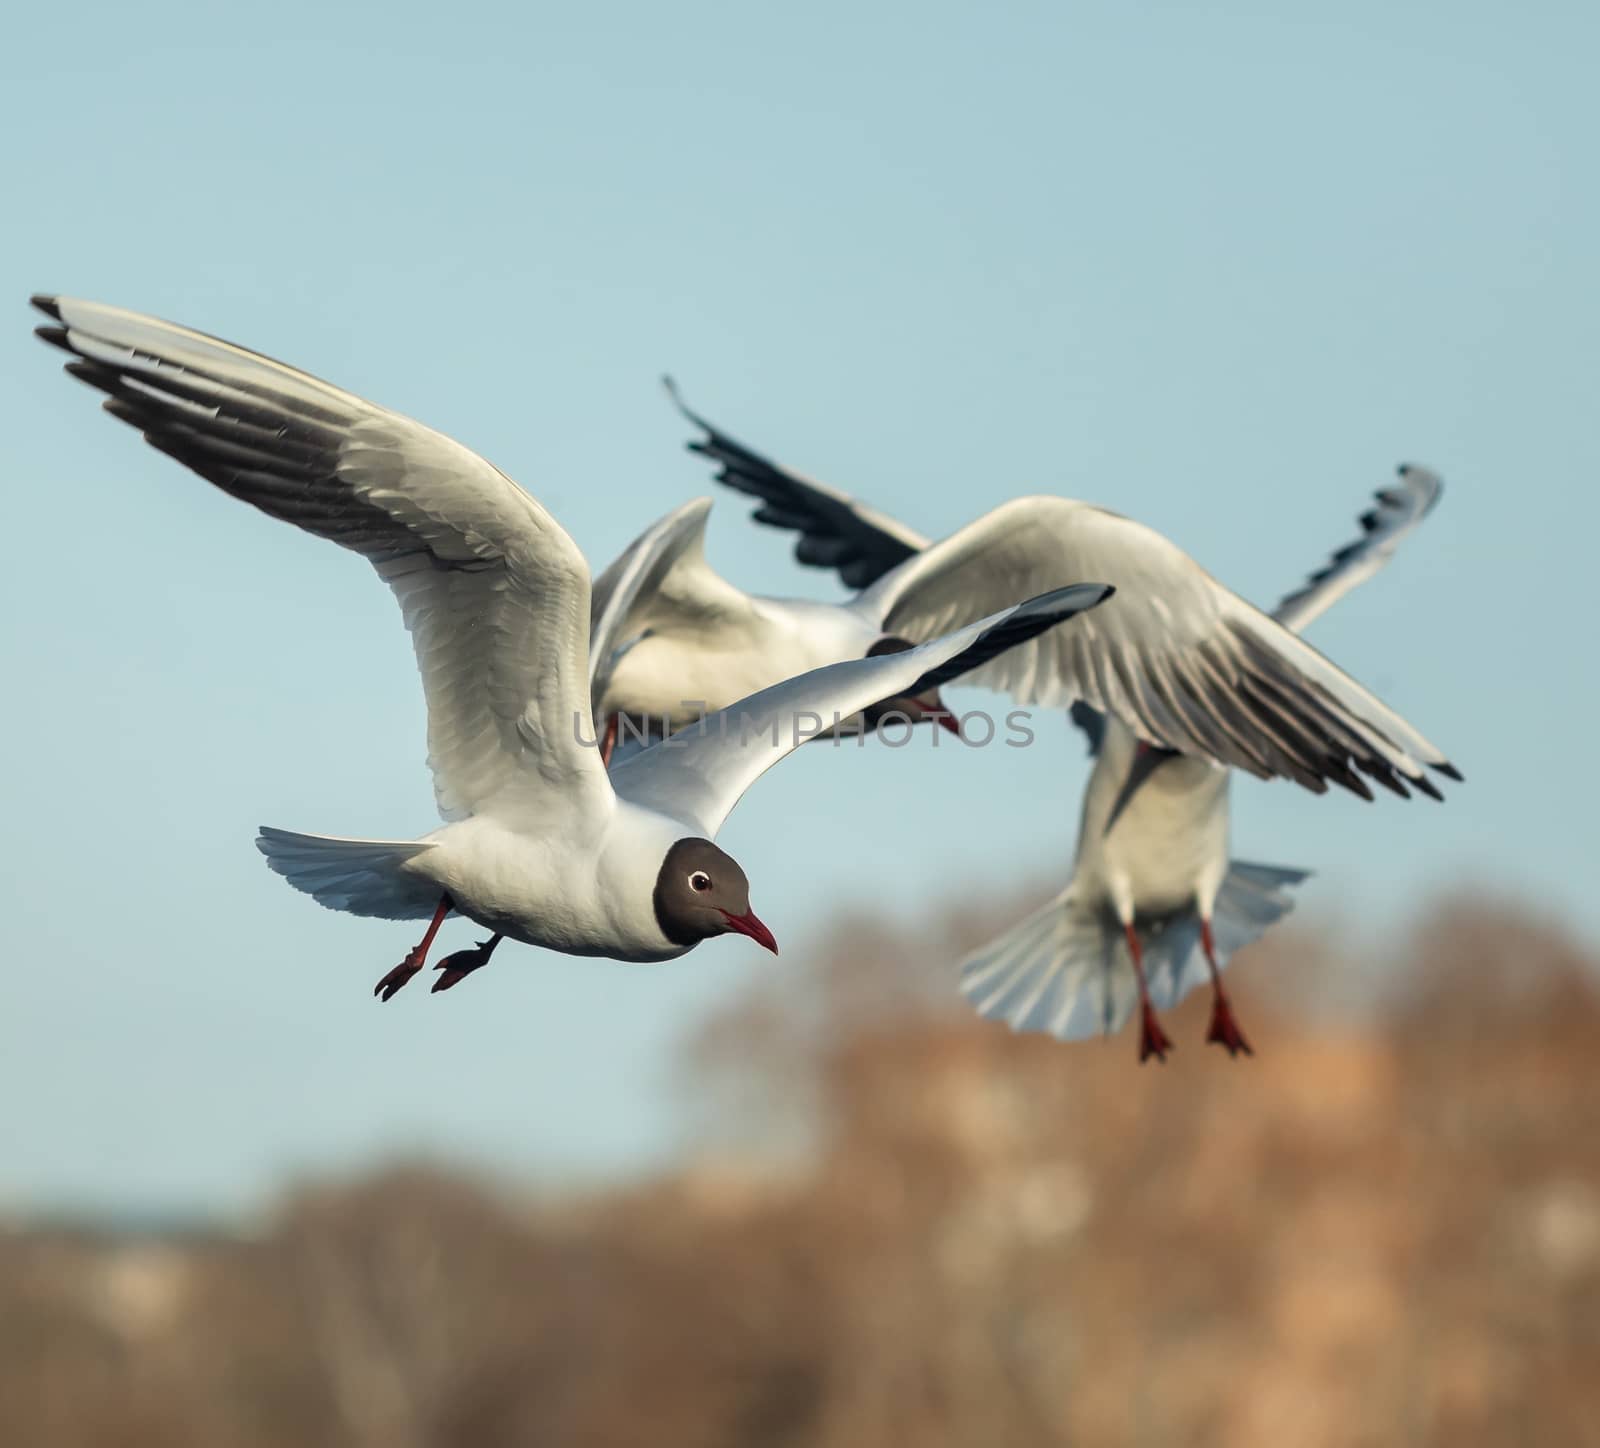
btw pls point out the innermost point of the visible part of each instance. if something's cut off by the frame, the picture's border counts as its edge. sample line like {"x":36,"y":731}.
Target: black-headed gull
{"x":1154,"y":839}
{"x":1152,"y":870}
{"x":1186,"y":663}
{"x":540,"y":844}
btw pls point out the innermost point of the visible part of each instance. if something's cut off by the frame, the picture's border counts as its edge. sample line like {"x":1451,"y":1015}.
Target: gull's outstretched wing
{"x":495,"y":593}
{"x":1397,"y":511}
{"x":699,"y":774}
{"x":662,"y":583}
{"x":1183,"y":661}
{"x":836,"y":531}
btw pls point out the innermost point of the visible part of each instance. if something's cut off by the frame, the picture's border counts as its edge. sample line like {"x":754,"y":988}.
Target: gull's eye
{"x":699,"y":880}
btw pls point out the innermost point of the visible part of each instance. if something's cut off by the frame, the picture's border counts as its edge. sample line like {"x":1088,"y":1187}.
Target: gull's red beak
{"x":747,"y":924}
{"x":936,"y":710}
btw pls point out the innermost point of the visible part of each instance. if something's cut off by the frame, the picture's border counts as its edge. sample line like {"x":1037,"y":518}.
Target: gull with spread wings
{"x":540,"y":844}
{"x":1152,"y":866}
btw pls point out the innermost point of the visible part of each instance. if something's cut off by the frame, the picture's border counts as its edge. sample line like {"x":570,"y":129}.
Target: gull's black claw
{"x":454,"y":969}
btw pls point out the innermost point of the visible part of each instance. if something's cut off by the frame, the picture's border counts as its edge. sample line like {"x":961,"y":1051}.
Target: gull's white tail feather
{"x":1043,"y":973}
{"x":1251,"y":900}
{"x":359,"y":877}
{"x":1065,"y":969}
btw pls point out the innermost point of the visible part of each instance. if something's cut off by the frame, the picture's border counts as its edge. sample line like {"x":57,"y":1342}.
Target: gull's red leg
{"x":1224,"y":1029}
{"x":408,"y":967}
{"x":608,"y":742}
{"x":1153,"y":1041}
{"x":456,"y":968}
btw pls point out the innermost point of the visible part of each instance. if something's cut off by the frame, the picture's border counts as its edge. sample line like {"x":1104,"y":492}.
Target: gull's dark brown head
{"x":701,"y":892}
{"x":916,"y":711}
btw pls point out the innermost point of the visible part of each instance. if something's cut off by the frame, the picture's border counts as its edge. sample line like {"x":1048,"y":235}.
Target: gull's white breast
{"x":584,"y":884}
{"x":1169,"y":846}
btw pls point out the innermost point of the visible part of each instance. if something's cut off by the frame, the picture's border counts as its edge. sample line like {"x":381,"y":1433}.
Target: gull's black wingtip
{"x":1075,"y":598}
{"x":49,"y":305}
{"x":1426,"y":786}
{"x":1088,"y":595}
{"x":1449,"y":771}
{"x":670,"y":387}
{"x":55,"y":336}
{"x":1060,"y":604}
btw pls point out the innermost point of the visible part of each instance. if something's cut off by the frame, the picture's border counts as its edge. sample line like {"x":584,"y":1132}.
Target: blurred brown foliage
{"x":922,"y":1230}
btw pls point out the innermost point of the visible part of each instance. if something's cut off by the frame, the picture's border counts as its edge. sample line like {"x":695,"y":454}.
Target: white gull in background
{"x":1152,"y":869}
{"x":541,"y":845}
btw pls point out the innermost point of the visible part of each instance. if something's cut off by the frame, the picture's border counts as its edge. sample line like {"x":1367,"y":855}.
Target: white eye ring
{"x":700,"y":881}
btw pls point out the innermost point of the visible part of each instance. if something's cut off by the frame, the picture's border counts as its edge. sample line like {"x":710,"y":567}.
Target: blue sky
{"x":1220,"y":271}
